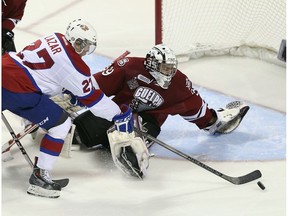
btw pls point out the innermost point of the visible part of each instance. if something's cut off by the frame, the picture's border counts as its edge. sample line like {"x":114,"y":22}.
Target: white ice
{"x":174,"y":186}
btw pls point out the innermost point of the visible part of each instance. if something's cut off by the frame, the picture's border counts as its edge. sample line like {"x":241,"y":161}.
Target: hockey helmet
{"x":161,"y":63}
{"x":82,"y":34}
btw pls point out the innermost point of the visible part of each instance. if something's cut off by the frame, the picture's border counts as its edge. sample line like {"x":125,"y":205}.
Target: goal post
{"x":195,"y":28}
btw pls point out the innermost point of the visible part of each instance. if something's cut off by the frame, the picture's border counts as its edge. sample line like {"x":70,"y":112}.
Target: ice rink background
{"x":174,"y":186}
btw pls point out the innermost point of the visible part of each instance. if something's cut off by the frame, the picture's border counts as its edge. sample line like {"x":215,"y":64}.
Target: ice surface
{"x":173,"y":186}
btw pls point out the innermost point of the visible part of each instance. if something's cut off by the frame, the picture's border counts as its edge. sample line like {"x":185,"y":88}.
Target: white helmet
{"x":162,"y":64}
{"x":83,"y":34}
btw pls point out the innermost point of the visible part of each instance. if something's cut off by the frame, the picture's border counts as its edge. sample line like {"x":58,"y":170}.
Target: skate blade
{"x":39,"y":191}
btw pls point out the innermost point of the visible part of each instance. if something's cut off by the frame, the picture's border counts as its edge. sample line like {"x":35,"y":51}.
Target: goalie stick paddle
{"x":234,"y":180}
{"x":122,"y":56}
{"x":118,"y":58}
{"x":62,"y":182}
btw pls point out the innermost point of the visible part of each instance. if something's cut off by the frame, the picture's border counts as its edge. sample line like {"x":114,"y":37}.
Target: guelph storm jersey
{"x":130,"y":83}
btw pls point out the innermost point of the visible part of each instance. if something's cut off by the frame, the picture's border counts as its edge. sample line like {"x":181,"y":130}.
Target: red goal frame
{"x":158,"y":21}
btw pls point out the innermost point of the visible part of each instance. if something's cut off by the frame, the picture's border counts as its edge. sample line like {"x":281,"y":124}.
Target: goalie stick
{"x":118,"y":58}
{"x":234,"y":180}
{"x":62,"y":182}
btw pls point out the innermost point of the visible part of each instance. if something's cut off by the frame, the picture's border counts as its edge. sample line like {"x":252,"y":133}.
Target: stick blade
{"x":62,"y":182}
{"x":246,"y":178}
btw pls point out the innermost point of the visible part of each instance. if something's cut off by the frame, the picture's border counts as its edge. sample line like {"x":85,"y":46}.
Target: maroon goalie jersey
{"x":130,"y":83}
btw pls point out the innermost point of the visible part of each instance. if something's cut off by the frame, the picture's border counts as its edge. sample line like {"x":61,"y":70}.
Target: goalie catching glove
{"x":228,"y":119}
{"x":129,"y":152}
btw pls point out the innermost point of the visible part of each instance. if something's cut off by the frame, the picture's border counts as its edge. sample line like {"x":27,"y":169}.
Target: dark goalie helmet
{"x":161,"y":63}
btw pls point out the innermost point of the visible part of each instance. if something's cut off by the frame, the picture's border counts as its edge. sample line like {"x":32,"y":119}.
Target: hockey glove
{"x":73,"y":99}
{"x":7,"y":41}
{"x":124,"y":122}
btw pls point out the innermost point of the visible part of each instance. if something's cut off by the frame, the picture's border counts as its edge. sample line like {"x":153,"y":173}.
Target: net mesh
{"x":194,"y":28}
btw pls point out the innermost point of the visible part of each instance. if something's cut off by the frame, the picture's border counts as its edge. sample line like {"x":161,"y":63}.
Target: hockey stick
{"x":234,"y":180}
{"x":118,"y":58}
{"x":115,"y":60}
{"x":16,"y":140}
{"x":6,"y":146}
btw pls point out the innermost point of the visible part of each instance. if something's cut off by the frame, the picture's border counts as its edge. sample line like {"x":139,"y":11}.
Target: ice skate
{"x":42,"y":185}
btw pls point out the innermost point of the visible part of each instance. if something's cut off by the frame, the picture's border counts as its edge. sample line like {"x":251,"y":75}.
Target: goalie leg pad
{"x":129,"y":153}
{"x":127,"y":161}
{"x":68,"y":145}
{"x":228,"y":119}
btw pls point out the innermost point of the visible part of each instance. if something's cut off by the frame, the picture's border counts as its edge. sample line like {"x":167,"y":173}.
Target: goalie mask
{"x":82,"y":36}
{"x":162,"y":64}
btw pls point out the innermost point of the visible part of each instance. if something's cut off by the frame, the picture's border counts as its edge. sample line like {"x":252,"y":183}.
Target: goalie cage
{"x":242,"y":28}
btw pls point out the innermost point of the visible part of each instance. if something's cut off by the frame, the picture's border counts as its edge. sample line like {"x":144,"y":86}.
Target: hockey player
{"x":154,"y":88}
{"x":43,"y":69}
{"x":12,"y":13}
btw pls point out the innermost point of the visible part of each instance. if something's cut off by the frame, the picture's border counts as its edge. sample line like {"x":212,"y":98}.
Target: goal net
{"x":194,"y":28}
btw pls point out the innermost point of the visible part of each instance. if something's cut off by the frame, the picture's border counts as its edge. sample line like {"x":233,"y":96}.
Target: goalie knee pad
{"x":228,"y":119}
